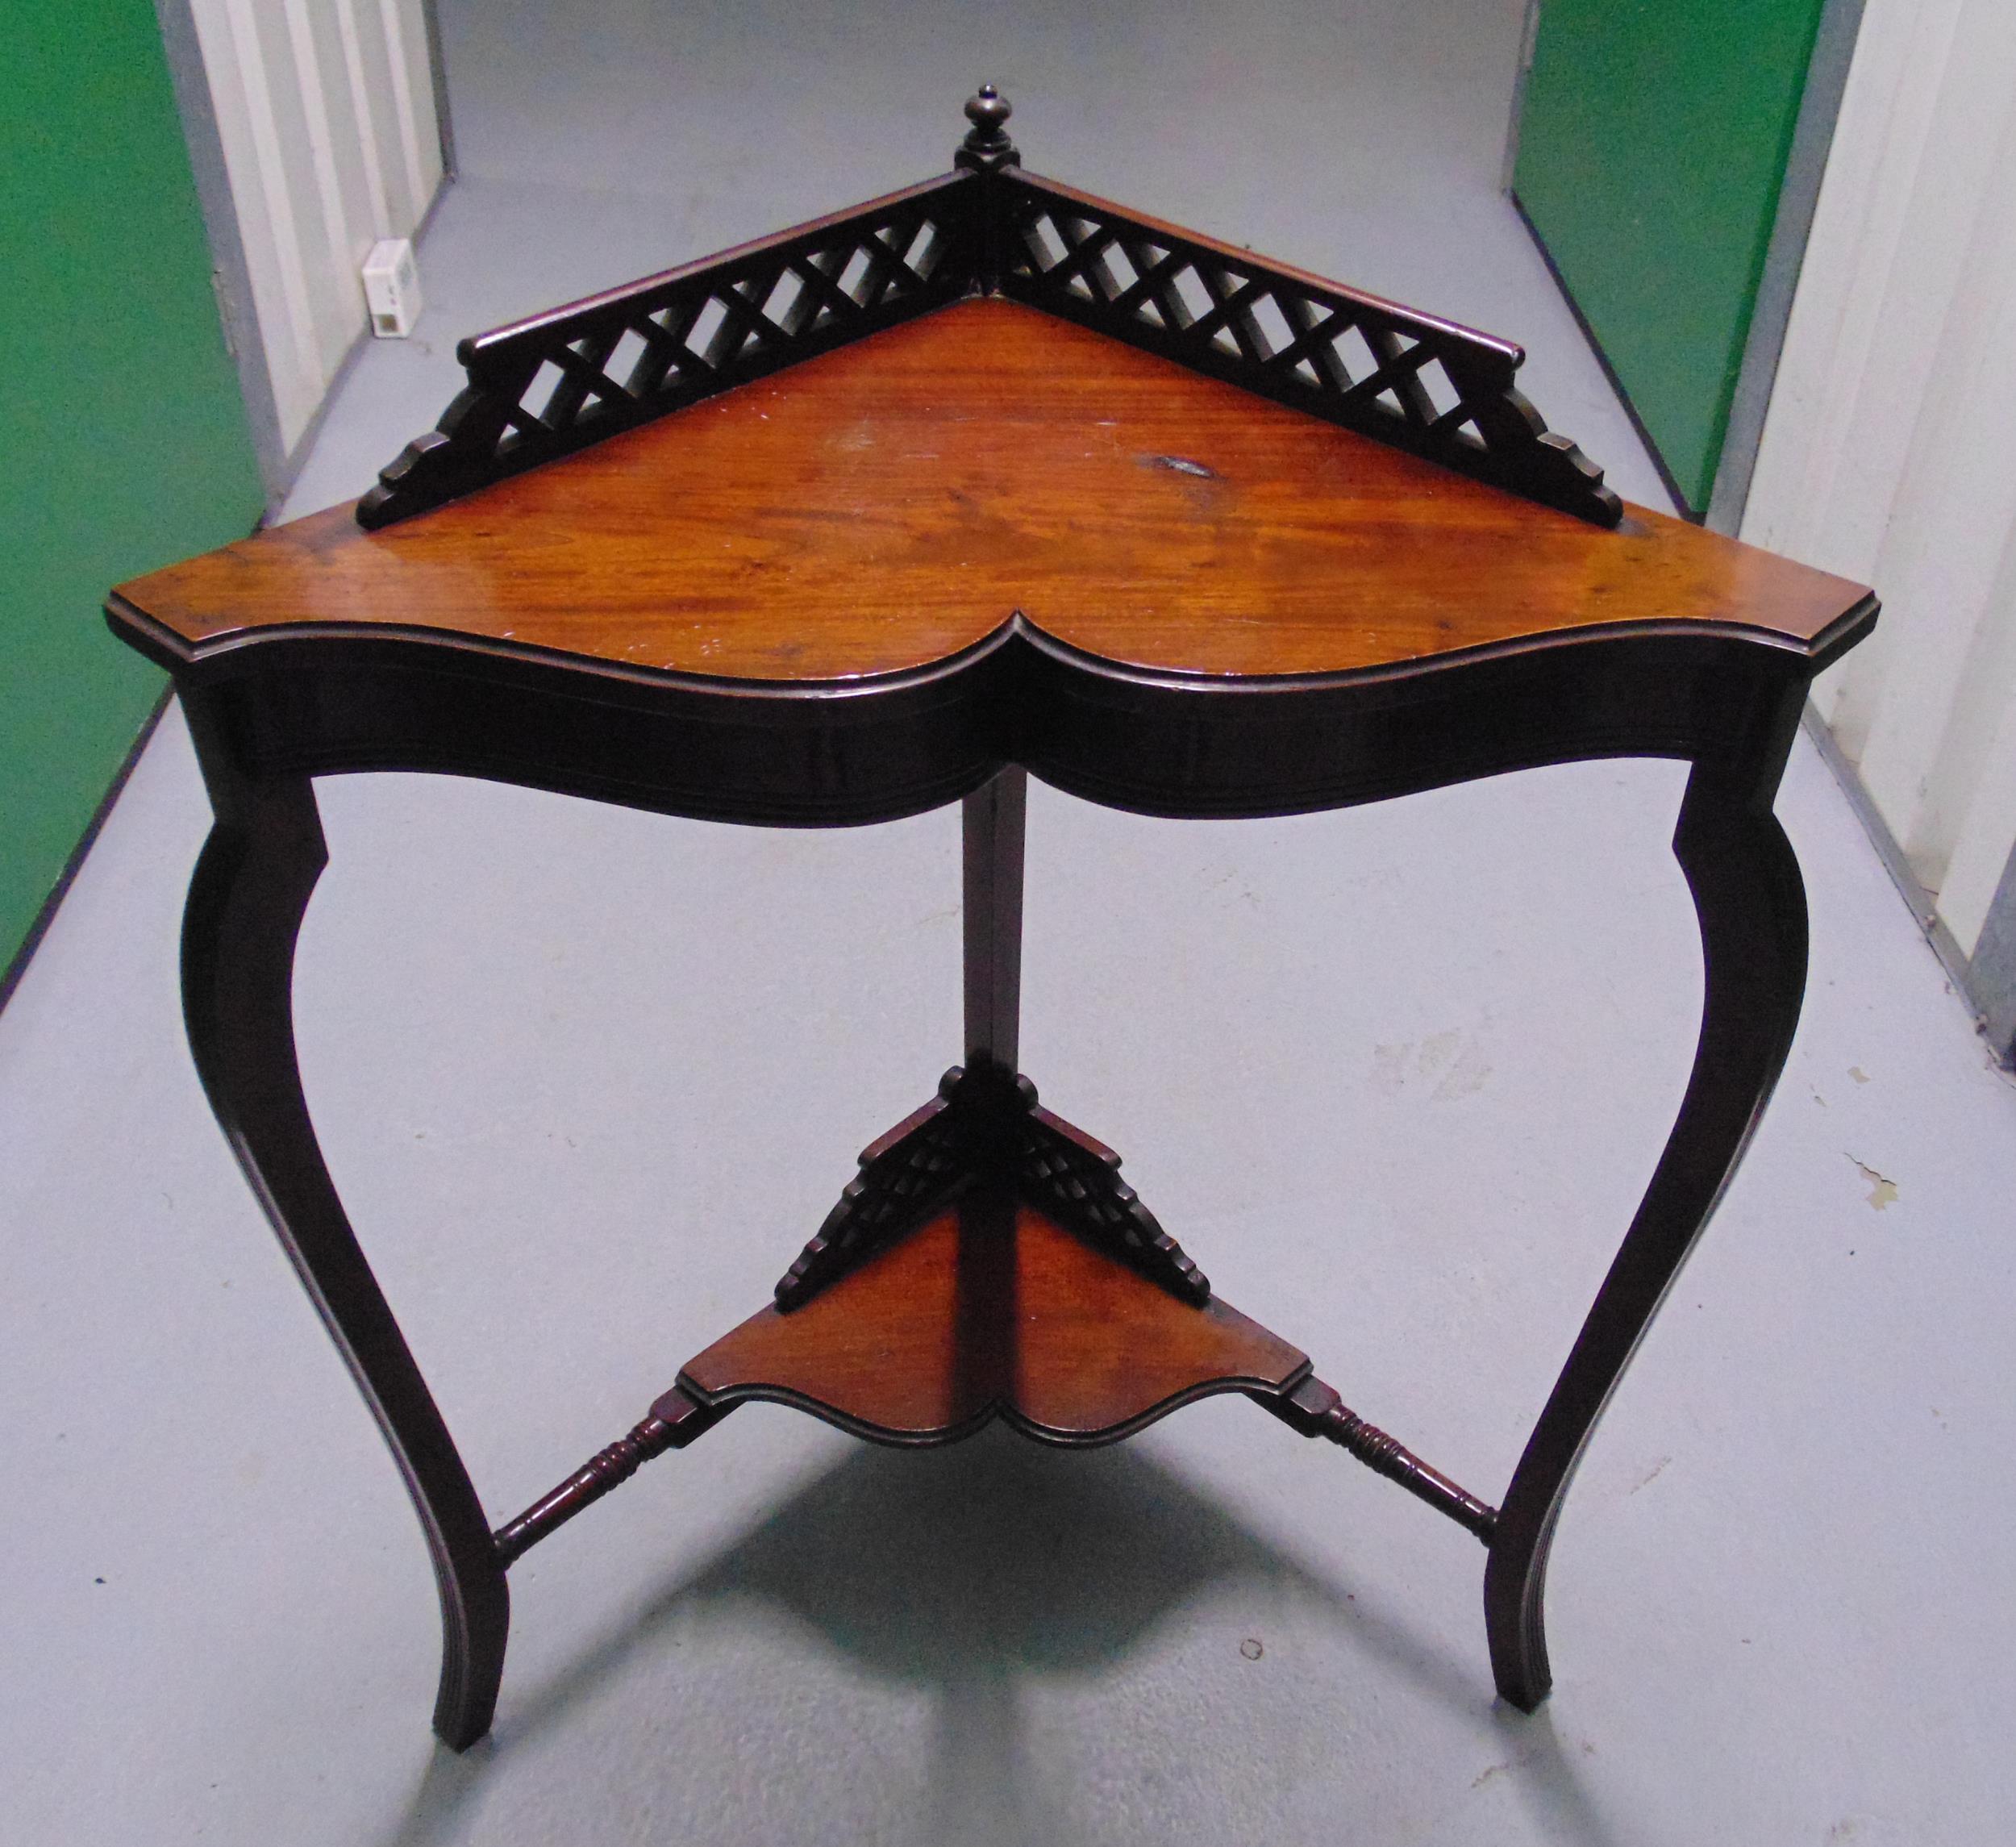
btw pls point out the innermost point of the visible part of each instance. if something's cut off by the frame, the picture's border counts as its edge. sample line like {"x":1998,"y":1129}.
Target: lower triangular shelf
{"x":991,"y":1309}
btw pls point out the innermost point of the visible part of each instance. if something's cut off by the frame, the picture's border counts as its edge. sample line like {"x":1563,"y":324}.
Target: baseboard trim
{"x":1924,"y":908}
{"x":18,"y":965}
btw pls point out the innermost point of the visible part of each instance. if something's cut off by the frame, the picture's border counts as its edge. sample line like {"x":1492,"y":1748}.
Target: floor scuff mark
{"x":1658,"y":1468}
{"x":1882,"y":1189}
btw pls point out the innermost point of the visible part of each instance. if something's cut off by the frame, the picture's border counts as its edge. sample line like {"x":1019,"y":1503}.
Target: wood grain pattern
{"x":993,"y":1309}
{"x":560,"y":382}
{"x":879,"y":508}
{"x":1414,"y":381}
{"x":543,"y":388}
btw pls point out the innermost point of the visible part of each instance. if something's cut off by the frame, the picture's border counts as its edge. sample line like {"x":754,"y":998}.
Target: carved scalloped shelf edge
{"x":544,"y":388}
{"x":1266,"y":1392}
{"x":1435,"y":389}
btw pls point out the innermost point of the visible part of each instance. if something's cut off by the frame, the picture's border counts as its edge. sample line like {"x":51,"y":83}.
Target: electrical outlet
{"x":392,"y":288}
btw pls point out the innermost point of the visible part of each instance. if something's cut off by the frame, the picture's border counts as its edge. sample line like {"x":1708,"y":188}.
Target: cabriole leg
{"x":245,"y":910}
{"x":1750,"y":904}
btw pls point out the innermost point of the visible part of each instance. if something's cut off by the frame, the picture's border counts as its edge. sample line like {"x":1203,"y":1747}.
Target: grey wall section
{"x":229,"y":275}
{"x":438,"y":69}
{"x":1812,"y":139}
{"x":1992,"y":973}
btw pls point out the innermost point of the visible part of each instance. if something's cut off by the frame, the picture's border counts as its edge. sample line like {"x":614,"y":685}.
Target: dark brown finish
{"x":1750,"y":904}
{"x":543,"y":388}
{"x":1076,"y":1179}
{"x":987,"y":147}
{"x":912,"y":1170}
{"x":1419,"y":383}
{"x":882,"y":509}
{"x":984,"y":1128}
{"x":674,"y":1421}
{"x":252,"y":885}
{"x":993,"y":823}
{"x":993,"y":1309}
{"x":1315,"y":1410}
{"x":984,"y":542}
{"x":605,"y":1470}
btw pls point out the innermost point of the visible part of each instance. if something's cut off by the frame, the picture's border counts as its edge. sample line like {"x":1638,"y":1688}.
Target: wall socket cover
{"x":392,"y":288}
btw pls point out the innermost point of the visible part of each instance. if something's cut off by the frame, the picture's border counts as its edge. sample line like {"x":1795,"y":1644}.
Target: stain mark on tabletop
{"x":1182,"y":464}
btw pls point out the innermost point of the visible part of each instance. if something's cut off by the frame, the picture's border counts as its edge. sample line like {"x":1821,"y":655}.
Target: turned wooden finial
{"x":987,"y":146}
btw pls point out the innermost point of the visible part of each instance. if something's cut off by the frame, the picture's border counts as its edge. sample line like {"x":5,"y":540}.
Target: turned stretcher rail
{"x":1315,"y":1410}
{"x":674,"y":1421}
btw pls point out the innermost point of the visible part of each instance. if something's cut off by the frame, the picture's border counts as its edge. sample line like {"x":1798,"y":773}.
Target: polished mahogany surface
{"x":993,"y":1308}
{"x":985,"y":539}
{"x":884,"y":505}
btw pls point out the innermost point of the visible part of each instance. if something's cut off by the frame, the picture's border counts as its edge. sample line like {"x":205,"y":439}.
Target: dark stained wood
{"x":1751,"y":903}
{"x":1401,"y":377}
{"x":985,"y":1130}
{"x":607,"y":1470}
{"x":549,"y":387}
{"x":543,"y":388}
{"x":993,"y":823}
{"x":1315,"y":1410}
{"x":906,"y":1173}
{"x":674,"y":1421}
{"x":985,"y":542}
{"x":258,"y":869}
{"x":559,"y":381}
{"x":881,"y":508}
{"x":1075,"y":1177}
{"x":987,"y":146}
{"x":990,"y":1309}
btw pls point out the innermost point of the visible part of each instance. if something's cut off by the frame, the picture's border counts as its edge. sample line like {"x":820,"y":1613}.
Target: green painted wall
{"x":1652,"y":146}
{"x":123,"y":442}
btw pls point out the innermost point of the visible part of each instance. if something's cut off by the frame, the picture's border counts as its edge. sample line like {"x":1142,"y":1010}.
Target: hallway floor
{"x":1395,"y":1076}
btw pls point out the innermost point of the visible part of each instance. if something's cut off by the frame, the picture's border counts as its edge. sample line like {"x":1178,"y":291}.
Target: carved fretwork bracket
{"x":984,"y":1127}
{"x":914,"y":1167}
{"x":543,"y":388}
{"x":1063,"y":1171}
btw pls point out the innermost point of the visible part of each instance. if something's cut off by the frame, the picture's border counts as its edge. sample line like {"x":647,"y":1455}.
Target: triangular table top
{"x":884,"y":504}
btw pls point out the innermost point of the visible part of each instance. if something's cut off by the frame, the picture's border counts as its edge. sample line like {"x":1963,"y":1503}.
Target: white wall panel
{"x":325,"y":113}
{"x":1885,"y":453}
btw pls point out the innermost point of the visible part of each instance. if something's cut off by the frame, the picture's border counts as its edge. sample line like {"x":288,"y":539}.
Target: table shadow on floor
{"x":966,"y":1573}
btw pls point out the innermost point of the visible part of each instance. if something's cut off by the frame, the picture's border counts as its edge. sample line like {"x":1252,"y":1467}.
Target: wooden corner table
{"x":983,"y":479}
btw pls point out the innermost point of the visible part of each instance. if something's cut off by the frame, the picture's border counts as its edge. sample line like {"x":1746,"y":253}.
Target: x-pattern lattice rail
{"x":1439,"y":390}
{"x":543,"y":388}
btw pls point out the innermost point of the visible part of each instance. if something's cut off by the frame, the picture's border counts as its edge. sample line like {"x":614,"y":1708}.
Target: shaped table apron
{"x":311,"y":702}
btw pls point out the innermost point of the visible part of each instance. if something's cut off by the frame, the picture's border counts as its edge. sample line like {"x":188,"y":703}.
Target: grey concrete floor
{"x":587,"y":1079}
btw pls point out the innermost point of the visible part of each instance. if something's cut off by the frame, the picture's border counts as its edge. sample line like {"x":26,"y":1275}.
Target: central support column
{"x":994,"y":818}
